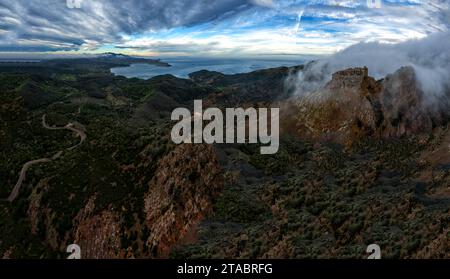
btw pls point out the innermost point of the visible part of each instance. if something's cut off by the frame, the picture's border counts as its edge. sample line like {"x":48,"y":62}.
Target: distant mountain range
{"x":113,"y":55}
{"x":122,"y":58}
{"x":107,"y":58}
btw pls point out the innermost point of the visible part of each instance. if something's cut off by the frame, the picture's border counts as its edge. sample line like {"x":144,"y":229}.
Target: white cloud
{"x":264,"y":3}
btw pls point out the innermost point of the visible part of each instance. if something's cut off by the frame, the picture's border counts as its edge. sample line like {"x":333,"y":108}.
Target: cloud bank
{"x":430,"y":58}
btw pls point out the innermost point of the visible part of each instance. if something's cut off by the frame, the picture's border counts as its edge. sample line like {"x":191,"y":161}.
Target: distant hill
{"x":126,"y":59}
{"x":113,"y":55}
{"x":100,"y":64}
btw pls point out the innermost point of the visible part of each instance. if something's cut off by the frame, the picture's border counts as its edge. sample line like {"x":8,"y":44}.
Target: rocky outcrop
{"x":180,"y":195}
{"x":403,"y":107}
{"x":353,"y":105}
{"x":34,"y":208}
{"x":98,"y":234}
{"x":342,"y":111}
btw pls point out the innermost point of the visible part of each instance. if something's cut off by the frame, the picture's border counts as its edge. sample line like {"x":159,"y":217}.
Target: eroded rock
{"x":180,"y":195}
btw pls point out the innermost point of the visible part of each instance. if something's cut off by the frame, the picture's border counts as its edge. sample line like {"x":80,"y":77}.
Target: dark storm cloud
{"x":48,"y":25}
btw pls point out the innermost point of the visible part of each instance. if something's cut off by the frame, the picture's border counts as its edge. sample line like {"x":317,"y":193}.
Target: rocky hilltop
{"x":353,"y":105}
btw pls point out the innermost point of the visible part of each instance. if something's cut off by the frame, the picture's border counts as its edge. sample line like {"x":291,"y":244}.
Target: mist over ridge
{"x":429,"y":57}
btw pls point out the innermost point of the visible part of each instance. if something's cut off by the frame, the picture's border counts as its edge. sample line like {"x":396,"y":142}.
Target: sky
{"x":212,"y":28}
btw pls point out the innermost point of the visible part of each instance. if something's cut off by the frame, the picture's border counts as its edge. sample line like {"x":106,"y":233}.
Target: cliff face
{"x":180,"y":195}
{"x":403,"y":106}
{"x":353,"y":105}
{"x":98,"y":234}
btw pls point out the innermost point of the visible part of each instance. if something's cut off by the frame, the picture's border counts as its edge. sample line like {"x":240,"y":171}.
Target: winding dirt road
{"x":70,"y":127}
{"x":15,"y":192}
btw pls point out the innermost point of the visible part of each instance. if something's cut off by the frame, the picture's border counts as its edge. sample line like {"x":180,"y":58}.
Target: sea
{"x":182,"y":67}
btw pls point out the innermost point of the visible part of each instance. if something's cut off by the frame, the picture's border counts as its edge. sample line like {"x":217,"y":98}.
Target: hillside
{"x":361,"y":161}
